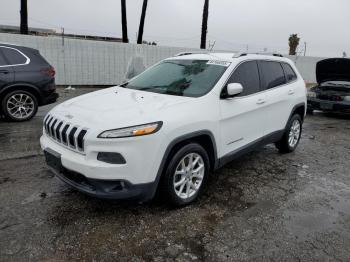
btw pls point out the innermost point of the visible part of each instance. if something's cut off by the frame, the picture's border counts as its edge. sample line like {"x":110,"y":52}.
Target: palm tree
{"x":142,"y":22}
{"x":124,"y":22}
{"x":205,"y":24}
{"x":24,"y":17}
{"x":293,"y":44}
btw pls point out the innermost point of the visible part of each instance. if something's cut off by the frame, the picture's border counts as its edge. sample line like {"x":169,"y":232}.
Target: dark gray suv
{"x":27,"y":81}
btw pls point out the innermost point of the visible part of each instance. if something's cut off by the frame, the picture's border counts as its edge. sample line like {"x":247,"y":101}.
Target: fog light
{"x":111,"y":158}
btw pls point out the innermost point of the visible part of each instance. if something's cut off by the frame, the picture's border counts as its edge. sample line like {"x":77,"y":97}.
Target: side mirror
{"x":233,"y":89}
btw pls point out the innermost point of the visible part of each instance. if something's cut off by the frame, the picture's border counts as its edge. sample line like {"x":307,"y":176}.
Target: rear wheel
{"x":292,"y":134}
{"x":19,"y":106}
{"x":186,"y":174}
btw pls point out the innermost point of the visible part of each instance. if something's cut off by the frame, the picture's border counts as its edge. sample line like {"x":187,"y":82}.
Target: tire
{"x":21,"y":100}
{"x":291,"y":136}
{"x":193,"y":183}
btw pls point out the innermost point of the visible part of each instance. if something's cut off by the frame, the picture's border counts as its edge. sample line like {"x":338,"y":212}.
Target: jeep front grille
{"x":67,"y":134}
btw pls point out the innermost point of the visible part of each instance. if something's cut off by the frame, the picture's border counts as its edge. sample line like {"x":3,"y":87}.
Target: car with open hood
{"x":173,"y":124}
{"x":332,"y":94}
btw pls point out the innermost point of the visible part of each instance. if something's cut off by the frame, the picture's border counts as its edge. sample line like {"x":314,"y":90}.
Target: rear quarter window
{"x":13,"y":56}
{"x":272,"y":74}
{"x":289,"y":72}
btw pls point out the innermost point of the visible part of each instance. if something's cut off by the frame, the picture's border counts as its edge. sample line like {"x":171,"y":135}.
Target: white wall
{"x":87,"y":62}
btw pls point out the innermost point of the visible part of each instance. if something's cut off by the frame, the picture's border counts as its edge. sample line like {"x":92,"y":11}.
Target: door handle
{"x":4,"y":72}
{"x":291,"y":92}
{"x":260,"y":101}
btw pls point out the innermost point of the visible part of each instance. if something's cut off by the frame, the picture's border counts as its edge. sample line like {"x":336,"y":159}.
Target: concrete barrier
{"x":88,"y":62}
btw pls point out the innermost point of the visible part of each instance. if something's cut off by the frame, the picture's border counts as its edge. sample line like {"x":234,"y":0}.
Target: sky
{"x":234,"y":25}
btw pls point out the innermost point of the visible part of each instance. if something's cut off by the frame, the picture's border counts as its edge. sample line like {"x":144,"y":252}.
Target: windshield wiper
{"x":152,"y":87}
{"x":124,"y":84}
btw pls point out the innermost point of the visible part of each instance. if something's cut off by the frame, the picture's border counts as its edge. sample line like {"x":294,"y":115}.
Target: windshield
{"x":191,"y":78}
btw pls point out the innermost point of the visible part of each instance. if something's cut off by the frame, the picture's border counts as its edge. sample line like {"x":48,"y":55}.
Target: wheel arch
{"x":21,"y":86}
{"x":299,"y":109}
{"x":203,"y":137}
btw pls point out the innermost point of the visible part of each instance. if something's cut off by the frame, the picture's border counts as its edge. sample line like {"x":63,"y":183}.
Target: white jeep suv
{"x":174,"y":123}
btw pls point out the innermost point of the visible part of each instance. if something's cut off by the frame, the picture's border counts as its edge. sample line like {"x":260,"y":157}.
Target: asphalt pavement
{"x":262,"y":207}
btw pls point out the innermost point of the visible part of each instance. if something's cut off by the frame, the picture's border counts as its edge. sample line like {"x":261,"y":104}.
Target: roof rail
{"x":190,"y":53}
{"x":273,"y":54}
{"x":239,"y":54}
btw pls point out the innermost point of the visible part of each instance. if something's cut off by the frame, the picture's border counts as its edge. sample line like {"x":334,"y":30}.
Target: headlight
{"x":140,"y":130}
{"x":311,"y":94}
{"x":347,"y":98}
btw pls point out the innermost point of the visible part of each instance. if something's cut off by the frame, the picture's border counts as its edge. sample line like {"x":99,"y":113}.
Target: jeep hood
{"x":117,"y":107}
{"x":333,"y":69}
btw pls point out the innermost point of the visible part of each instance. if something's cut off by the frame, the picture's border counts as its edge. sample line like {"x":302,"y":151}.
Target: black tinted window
{"x":247,"y":75}
{"x":272,"y":74}
{"x":13,"y":56}
{"x":289,"y":72}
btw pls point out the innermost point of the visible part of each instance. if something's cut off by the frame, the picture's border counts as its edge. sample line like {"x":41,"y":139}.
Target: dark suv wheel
{"x":19,"y":105}
{"x":186,"y":174}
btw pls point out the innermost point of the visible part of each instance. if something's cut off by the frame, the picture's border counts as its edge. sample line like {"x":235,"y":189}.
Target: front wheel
{"x":186,"y":174}
{"x":19,"y":106}
{"x":292,"y":134}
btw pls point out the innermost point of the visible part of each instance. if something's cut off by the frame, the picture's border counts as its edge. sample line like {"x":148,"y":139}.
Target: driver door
{"x":243,"y":116}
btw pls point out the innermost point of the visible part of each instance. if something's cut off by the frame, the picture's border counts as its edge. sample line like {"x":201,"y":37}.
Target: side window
{"x":13,"y":56}
{"x":2,"y":60}
{"x":247,"y":74}
{"x":289,"y":72}
{"x":272,"y":74}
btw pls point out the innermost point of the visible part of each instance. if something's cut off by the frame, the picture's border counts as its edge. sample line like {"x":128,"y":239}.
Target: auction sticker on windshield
{"x":218,"y":62}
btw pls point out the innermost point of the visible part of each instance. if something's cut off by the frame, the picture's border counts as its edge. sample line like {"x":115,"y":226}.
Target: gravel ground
{"x":261,"y":207}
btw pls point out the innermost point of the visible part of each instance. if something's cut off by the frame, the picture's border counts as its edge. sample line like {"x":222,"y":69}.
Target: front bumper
{"x":106,"y":189}
{"x":136,"y":179}
{"x":326,"y":105}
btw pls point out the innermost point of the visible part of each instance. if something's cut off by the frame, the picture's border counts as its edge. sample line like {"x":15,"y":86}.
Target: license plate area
{"x":326,"y":106}
{"x":53,"y":159}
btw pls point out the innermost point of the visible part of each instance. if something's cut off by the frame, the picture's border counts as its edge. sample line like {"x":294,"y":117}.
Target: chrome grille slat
{"x":65,"y":133}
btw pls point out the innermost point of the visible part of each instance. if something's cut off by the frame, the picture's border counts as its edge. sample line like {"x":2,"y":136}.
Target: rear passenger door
{"x":278,"y":104}
{"x":6,"y":71}
{"x":243,"y":116}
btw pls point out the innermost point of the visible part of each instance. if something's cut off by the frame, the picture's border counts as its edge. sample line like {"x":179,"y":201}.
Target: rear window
{"x":289,"y":72}
{"x":13,"y":56}
{"x":272,"y":74}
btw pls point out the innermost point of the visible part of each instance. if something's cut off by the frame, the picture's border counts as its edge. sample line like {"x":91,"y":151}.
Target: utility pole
{"x":62,"y":29}
{"x":211,"y":46}
{"x":304,"y":48}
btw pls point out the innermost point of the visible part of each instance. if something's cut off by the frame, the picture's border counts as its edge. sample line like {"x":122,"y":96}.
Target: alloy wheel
{"x":189,"y":175}
{"x":20,"y":106}
{"x":294,"y":133}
